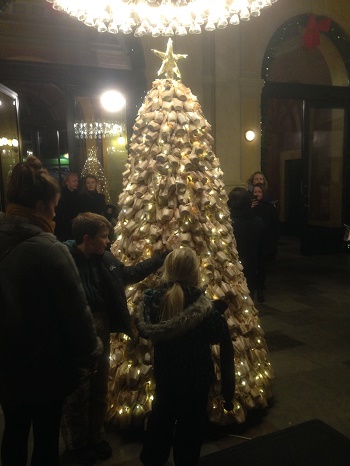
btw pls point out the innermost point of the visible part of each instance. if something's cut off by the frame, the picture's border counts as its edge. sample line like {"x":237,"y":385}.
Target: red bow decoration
{"x":311,"y":37}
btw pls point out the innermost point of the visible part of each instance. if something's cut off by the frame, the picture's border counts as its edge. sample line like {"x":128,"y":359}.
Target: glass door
{"x":9,"y":140}
{"x":322,"y":178}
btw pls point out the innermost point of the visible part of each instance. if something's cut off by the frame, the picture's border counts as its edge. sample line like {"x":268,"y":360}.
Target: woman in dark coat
{"x":90,"y":200}
{"x":47,"y":336}
{"x":269,"y":215}
{"x":182,"y":323}
{"x":249,"y":231}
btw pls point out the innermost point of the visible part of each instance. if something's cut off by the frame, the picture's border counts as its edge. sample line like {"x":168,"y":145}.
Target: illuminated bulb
{"x":112,"y":101}
{"x":249,"y":135}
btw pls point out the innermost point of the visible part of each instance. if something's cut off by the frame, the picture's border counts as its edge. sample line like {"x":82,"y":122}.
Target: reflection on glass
{"x":96,"y":128}
{"x":9,"y":145}
{"x":326,"y":167}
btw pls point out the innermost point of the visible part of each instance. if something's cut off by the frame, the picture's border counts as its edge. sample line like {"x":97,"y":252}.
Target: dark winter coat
{"x":91,"y":201}
{"x":66,"y":210}
{"x":105,"y":278}
{"x":46,"y":329}
{"x":249,"y":231}
{"x":269,"y":215}
{"x":182,"y":353}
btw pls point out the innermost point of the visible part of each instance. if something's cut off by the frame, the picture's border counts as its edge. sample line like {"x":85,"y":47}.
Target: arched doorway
{"x":305,"y":107}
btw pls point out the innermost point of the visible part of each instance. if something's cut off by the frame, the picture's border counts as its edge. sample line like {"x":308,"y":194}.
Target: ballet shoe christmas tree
{"x":173,"y":196}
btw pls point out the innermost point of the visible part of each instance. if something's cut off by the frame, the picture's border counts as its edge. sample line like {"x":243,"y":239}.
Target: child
{"x":104,"y":278}
{"x":182,"y":323}
{"x":269,"y":216}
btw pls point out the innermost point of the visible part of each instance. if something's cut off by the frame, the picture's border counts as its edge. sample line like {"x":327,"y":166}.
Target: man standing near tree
{"x":67,"y":207}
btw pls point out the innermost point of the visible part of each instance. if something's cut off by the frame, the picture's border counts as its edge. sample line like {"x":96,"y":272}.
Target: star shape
{"x":169,"y":65}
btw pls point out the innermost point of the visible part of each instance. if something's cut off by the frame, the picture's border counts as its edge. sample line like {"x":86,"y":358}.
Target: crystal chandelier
{"x":97,"y":129}
{"x":161,"y":17}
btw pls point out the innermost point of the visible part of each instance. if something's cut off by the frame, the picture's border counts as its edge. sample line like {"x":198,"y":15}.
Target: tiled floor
{"x":306,"y":318}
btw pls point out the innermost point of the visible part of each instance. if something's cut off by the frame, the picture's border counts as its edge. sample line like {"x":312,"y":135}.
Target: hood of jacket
{"x":18,"y":226}
{"x":192,"y":316}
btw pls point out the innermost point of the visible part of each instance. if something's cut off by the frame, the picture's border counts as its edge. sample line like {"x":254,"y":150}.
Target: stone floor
{"x":306,"y":318}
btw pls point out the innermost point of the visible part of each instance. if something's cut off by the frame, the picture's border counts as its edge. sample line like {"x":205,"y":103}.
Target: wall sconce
{"x":249,"y":135}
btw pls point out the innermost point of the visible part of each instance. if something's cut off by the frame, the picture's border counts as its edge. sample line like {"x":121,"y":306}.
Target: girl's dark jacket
{"x":115,"y":276}
{"x":47,"y":335}
{"x":269,"y":215}
{"x":182,"y":345}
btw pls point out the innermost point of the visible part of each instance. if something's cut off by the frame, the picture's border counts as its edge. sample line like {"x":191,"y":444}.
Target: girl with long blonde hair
{"x":182,"y":324}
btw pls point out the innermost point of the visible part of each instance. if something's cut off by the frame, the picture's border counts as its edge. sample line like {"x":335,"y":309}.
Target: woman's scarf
{"x":34,"y":216}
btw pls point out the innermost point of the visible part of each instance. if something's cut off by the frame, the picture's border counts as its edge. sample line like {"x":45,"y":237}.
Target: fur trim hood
{"x":19,"y":226}
{"x":192,"y":316}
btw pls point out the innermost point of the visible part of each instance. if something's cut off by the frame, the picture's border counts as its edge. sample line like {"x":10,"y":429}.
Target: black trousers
{"x":179,"y":422}
{"x":84,"y":410}
{"x":45,"y":420}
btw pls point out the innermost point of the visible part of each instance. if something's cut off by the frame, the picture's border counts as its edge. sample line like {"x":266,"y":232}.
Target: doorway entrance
{"x":305,"y":134}
{"x":305,"y":161}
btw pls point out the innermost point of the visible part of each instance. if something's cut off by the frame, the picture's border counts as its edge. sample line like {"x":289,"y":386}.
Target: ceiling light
{"x":161,"y":17}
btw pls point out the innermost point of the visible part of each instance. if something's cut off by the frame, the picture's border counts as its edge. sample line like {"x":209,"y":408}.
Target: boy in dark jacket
{"x":104,"y":278}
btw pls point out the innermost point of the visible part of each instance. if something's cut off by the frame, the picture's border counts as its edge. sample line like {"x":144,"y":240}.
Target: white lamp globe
{"x":112,"y":101}
{"x":249,"y":135}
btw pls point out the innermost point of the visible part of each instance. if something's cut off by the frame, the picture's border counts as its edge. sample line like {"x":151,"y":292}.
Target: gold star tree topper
{"x":169,"y":65}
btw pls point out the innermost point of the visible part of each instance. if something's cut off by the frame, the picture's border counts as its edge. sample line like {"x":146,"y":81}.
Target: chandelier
{"x":98,"y":129}
{"x":160,"y":17}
